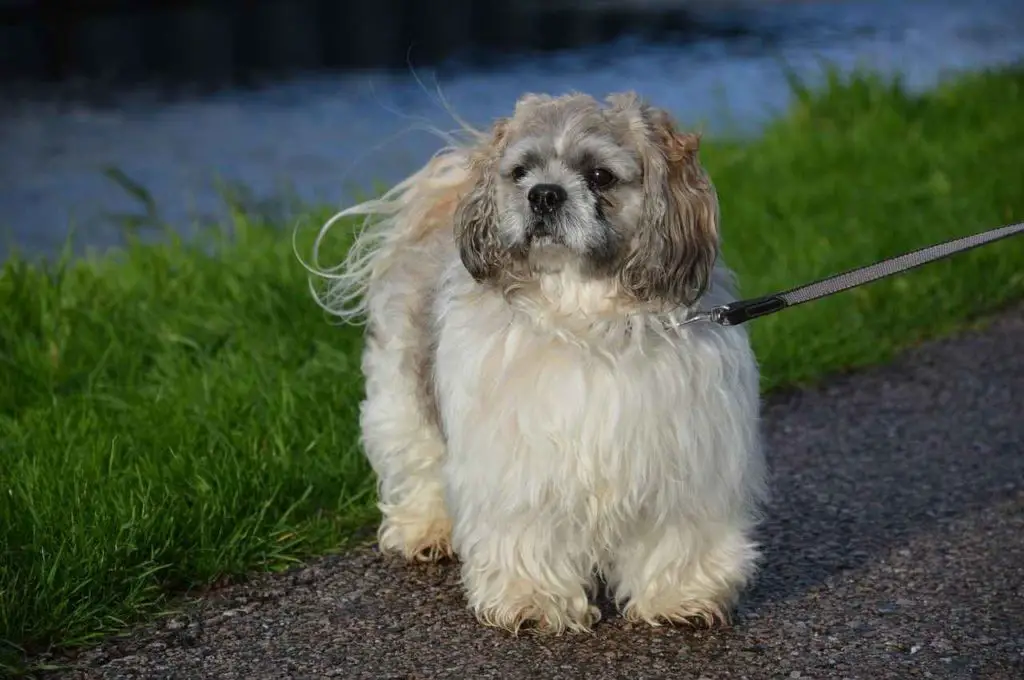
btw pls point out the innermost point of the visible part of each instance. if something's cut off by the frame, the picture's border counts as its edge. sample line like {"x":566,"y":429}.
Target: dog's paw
{"x":416,"y":538}
{"x":674,"y":611}
{"x":541,"y":615}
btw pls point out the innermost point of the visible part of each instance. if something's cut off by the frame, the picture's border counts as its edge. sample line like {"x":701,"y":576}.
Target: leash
{"x":741,"y":311}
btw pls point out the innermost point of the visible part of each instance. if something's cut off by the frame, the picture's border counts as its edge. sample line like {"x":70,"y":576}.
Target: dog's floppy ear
{"x":477,"y":213}
{"x":677,"y":241}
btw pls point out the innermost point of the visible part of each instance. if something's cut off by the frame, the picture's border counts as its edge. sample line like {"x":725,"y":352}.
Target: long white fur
{"x":575,"y":438}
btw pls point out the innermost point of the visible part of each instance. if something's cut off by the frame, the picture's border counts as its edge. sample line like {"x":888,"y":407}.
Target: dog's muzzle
{"x":545,"y":202}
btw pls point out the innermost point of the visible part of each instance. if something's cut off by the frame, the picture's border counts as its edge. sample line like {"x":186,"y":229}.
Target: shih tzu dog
{"x":533,"y":404}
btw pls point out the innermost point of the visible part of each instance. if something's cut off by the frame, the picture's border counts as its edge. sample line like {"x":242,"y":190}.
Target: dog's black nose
{"x":546,"y":198}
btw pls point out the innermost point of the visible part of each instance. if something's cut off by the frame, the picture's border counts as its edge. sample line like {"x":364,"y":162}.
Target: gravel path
{"x":895,"y":549}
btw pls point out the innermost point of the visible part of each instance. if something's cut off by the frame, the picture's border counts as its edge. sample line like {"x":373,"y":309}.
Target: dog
{"x":533,"y":404}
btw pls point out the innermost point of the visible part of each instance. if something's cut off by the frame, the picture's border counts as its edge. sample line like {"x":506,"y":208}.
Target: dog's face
{"x":613,"y":190}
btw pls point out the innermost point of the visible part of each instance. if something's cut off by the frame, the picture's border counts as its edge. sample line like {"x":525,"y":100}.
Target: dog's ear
{"x":477,"y":212}
{"x":676,"y":243}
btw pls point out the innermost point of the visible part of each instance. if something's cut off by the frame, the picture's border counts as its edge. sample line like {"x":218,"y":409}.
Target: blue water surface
{"x":324,"y":138}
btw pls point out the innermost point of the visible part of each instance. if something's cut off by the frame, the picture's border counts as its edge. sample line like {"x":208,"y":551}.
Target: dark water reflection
{"x":322,"y":137}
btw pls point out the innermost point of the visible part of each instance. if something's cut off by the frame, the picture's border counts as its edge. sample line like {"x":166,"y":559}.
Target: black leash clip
{"x":740,"y":311}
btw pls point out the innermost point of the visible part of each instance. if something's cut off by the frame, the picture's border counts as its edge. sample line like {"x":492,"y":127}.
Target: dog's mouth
{"x":541,"y":233}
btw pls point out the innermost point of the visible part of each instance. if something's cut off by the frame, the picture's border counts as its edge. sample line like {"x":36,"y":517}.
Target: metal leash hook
{"x":741,"y":311}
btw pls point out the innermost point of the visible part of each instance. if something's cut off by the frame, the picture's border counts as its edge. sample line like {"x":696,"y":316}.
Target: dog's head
{"x":611,"y":189}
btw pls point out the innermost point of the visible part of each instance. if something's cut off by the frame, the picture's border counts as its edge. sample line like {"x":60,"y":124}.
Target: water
{"x":323,"y":138}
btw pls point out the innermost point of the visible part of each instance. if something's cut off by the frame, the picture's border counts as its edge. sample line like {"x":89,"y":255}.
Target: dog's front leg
{"x":523,"y":573}
{"x":678,"y":571}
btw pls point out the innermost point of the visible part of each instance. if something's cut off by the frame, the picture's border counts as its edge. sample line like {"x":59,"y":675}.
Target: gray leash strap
{"x":741,"y":311}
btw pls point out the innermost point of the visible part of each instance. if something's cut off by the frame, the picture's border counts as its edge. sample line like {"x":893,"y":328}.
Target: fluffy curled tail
{"x":405,"y":213}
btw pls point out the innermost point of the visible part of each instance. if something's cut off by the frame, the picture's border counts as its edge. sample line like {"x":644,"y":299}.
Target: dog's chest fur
{"x":598,"y":427}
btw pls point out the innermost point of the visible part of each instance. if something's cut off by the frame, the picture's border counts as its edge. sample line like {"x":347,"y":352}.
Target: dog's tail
{"x":412,"y":209}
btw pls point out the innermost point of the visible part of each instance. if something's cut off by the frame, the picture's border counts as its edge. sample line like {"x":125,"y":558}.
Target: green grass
{"x":173,"y":415}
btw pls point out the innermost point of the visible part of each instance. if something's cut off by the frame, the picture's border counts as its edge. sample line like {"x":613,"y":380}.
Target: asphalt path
{"x":894,"y":549}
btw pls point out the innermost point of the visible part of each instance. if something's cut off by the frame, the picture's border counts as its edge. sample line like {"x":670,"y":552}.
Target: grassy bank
{"x":171,"y":417}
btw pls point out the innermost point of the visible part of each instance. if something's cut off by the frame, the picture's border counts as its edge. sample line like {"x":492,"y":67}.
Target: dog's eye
{"x":599,"y":178}
{"x":518,"y":173}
